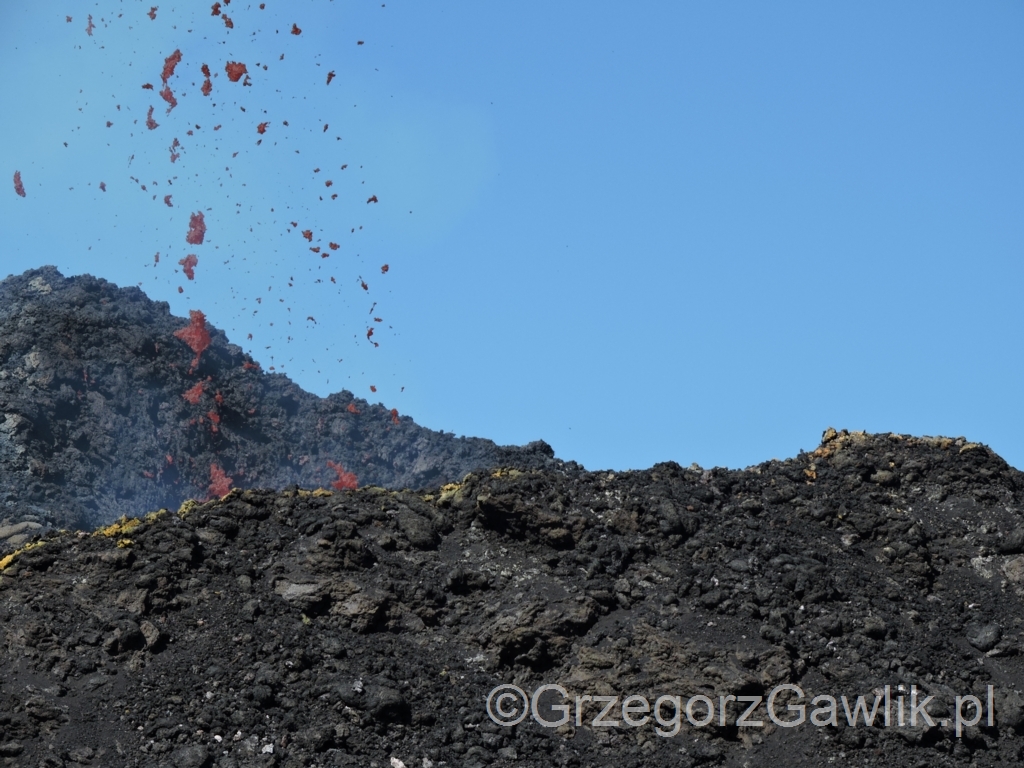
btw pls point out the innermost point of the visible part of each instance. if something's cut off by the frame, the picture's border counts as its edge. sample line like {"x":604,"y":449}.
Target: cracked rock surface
{"x":367,"y":628}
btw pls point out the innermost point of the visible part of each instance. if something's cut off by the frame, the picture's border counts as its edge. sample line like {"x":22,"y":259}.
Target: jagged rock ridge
{"x":94,"y":422}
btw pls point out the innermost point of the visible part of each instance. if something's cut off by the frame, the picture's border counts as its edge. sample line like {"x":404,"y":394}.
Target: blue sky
{"x":701,"y":232}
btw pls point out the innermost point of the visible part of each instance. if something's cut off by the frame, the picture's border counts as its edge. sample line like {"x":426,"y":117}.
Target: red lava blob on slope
{"x":195,"y":334}
{"x":220,"y":483}
{"x":195,"y":393}
{"x":346,"y":481}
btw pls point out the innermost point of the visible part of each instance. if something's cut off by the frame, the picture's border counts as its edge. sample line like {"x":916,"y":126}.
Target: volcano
{"x":467,"y":604}
{"x":112,"y":406}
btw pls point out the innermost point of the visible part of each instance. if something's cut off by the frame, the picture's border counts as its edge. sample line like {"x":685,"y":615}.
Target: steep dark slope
{"x":367,"y":628}
{"x":95,"y":422}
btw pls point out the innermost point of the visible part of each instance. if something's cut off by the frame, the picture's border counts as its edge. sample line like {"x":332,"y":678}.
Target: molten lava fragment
{"x":235,"y":70}
{"x":167,"y":201}
{"x":19,"y":188}
{"x":308,"y":234}
{"x":220,"y":483}
{"x":346,"y":480}
{"x":167,"y":95}
{"x":188,"y":265}
{"x":394,"y":415}
{"x":373,"y":199}
{"x":193,"y":395}
{"x":103,"y":186}
{"x":150,"y":122}
{"x":373,"y":388}
{"x":215,"y":9}
{"x":169,"y":64}
{"x":195,"y":334}
{"x":330,"y":76}
{"x":262,"y":127}
{"x":384,"y":269}
{"x":91,"y":27}
{"x":147,"y":86}
{"x":333,"y":246}
{"x":196,"y":229}
{"x":296,"y":30}
{"x":152,"y":12}
{"x":351,"y":408}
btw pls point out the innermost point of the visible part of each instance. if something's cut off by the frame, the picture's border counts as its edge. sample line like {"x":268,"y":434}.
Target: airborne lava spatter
{"x":188,"y":265}
{"x":196,"y":229}
{"x":179,"y":63}
{"x":235,"y":71}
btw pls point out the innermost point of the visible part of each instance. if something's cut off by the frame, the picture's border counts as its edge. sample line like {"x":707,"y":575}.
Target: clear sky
{"x":698,"y":231}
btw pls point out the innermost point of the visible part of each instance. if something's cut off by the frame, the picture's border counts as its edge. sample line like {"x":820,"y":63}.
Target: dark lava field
{"x":673,"y":616}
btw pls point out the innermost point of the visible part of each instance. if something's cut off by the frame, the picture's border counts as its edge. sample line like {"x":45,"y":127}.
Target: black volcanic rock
{"x":367,"y":628}
{"x":94,"y":425}
{"x":311,"y":627}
